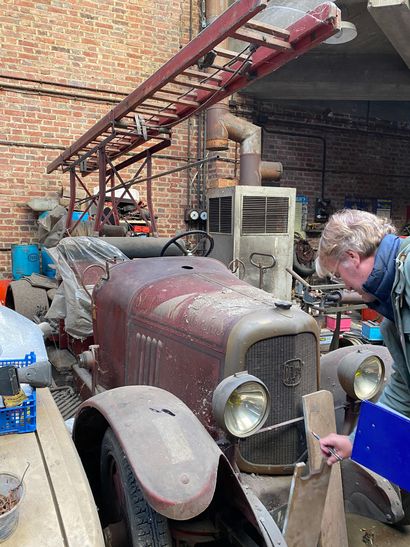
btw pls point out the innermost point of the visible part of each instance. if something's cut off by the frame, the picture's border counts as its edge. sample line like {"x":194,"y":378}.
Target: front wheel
{"x":127,"y":519}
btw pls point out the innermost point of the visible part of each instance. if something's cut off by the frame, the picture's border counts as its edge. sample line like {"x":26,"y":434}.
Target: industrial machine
{"x":253,"y":230}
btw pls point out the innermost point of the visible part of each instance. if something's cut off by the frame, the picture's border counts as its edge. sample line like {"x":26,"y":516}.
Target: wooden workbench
{"x":58,"y":507}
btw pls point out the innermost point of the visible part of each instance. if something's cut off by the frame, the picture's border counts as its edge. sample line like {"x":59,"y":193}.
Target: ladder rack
{"x":180,"y":89}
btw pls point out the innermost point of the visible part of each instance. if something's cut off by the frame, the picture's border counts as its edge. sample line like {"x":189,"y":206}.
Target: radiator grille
{"x":287,"y":365}
{"x":220,"y":215}
{"x":265,"y":215}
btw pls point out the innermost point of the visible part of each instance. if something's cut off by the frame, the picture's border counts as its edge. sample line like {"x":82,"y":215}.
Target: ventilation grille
{"x":287,"y":366}
{"x":265,"y":215}
{"x":220,"y":215}
{"x":147,"y":353}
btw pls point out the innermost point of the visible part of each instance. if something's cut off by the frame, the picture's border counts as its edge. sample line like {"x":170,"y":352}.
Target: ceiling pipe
{"x":222,"y":126}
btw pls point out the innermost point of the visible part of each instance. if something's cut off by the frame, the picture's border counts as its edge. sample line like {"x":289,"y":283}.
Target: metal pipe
{"x":31,"y":145}
{"x":271,"y":170}
{"x":222,"y":126}
{"x":52,"y":92}
{"x":131,"y":182}
{"x":58,"y":84}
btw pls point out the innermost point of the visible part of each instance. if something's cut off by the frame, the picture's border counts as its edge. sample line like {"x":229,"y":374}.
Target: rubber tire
{"x":302,"y":269}
{"x":146,"y":527}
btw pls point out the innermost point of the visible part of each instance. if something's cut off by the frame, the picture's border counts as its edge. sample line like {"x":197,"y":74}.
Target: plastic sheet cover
{"x":81,"y":262}
{"x":295,"y":17}
{"x":19,"y":336}
{"x":284,"y":13}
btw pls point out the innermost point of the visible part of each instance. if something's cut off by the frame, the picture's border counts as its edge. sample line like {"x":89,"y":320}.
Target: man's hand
{"x":340,"y":443}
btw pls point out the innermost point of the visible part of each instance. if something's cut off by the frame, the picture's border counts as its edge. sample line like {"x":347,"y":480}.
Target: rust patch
{"x":368,"y":536}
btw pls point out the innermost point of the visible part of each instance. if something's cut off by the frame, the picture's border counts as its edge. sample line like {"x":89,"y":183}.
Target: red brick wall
{"x":106,"y":46}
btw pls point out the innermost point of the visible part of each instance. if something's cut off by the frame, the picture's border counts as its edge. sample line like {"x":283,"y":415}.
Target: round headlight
{"x":361,"y":374}
{"x":241,"y":404}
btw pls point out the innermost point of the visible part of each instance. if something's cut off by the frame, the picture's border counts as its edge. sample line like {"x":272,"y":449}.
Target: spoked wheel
{"x":195,"y":242}
{"x":127,"y":519}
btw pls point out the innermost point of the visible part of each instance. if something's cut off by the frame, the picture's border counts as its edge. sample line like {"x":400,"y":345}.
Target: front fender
{"x":172,"y":455}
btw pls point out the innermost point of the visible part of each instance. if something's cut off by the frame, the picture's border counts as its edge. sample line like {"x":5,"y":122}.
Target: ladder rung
{"x":170,"y":91}
{"x":227,"y":54}
{"x":157,"y":106}
{"x":268,"y":29}
{"x":226,"y":69}
{"x":165,"y":114}
{"x":132,"y":118}
{"x":260,"y":39}
{"x":180,"y":100}
{"x":201,"y":74}
{"x":187,"y":102}
{"x":197,"y":85}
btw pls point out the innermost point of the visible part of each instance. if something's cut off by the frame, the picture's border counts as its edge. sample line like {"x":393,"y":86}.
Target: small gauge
{"x":203,"y":215}
{"x":193,"y":215}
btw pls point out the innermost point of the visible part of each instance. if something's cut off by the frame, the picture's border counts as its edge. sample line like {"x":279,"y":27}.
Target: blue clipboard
{"x":382,"y":443}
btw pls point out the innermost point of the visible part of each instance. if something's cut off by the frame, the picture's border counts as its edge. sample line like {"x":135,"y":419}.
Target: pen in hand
{"x":331,"y":450}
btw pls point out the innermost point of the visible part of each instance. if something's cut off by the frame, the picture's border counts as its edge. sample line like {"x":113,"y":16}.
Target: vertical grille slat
{"x":265,"y":215}
{"x":148,"y":351}
{"x":287,"y":365}
{"x":220,"y":215}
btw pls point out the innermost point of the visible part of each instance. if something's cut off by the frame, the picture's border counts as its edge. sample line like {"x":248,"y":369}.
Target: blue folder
{"x":382,"y":443}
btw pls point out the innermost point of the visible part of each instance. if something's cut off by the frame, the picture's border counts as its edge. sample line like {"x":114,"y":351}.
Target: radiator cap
{"x":283,"y":304}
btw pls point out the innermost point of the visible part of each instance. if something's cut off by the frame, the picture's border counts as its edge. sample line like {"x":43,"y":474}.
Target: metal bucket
{"x":25,"y":260}
{"x":9,"y":520}
{"x":4,"y":284}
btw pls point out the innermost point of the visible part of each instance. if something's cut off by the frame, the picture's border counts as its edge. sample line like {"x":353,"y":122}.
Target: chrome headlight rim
{"x":351,"y":370}
{"x":223,"y":393}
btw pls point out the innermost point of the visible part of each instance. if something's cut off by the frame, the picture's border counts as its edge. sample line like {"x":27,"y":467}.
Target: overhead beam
{"x":393,"y":18}
{"x":313,"y":77}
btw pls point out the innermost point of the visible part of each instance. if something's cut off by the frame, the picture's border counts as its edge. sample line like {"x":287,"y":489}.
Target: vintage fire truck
{"x":201,"y":441}
{"x":194,"y":422}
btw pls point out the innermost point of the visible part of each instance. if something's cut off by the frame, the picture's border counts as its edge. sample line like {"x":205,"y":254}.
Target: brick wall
{"x":101,"y":51}
{"x":350,"y":157}
{"x":106,"y":47}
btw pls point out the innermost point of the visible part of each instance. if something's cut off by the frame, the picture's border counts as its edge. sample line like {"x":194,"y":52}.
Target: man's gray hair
{"x":354,"y":230}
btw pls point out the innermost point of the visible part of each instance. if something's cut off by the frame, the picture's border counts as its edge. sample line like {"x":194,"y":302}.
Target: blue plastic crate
{"x":29,"y":359}
{"x":22,"y":418}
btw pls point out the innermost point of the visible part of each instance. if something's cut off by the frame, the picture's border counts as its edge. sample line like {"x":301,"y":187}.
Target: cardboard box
{"x":370,"y":315}
{"x":345,"y":322}
{"x":371,"y":331}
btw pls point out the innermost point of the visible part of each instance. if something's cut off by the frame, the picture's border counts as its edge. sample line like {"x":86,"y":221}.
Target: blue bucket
{"x":47,"y":264}
{"x":77,"y":215}
{"x":25,"y":260}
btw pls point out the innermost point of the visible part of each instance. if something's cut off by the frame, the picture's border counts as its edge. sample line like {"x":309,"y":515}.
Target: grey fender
{"x":172,"y":455}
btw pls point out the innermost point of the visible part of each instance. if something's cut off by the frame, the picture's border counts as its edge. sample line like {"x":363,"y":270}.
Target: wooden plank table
{"x":58,"y":508}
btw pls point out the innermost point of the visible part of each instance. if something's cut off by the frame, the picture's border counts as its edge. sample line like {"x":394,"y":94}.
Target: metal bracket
{"x":141,"y":126}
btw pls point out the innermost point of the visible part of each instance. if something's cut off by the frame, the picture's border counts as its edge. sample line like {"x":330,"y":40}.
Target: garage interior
{"x":131,"y":123}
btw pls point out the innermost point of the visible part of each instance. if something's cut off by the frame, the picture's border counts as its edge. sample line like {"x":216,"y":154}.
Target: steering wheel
{"x":197,"y":249}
